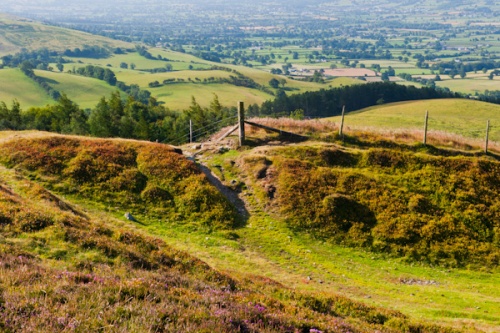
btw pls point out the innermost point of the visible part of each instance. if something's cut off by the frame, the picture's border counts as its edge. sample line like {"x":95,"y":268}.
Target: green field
{"x":139,"y":61}
{"x":458,"y":116}
{"x":84,"y":91}
{"x":458,"y":298}
{"x":471,"y":85}
{"x":13,"y":81}
{"x":178,"y":96}
{"x":144,"y":78}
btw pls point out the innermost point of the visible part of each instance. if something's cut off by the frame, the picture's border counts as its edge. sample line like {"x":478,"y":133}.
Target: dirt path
{"x":231,"y":195}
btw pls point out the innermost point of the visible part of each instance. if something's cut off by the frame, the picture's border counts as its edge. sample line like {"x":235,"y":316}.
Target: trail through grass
{"x":266,"y":246}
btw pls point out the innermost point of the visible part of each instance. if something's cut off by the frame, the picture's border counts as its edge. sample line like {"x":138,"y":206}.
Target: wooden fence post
{"x":425,"y":126}
{"x":487,"y":137}
{"x":341,"y":129}
{"x":190,"y":131}
{"x":241,"y":122}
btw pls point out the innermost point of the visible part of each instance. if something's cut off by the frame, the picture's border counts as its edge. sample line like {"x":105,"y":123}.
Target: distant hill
{"x":18,"y":33}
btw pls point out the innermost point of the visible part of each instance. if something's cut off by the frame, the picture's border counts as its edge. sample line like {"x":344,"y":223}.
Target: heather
{"x":146,"y":179}
{"x":190,"y":261}
{"x":437,"y":209}
{"x":67,"y":269}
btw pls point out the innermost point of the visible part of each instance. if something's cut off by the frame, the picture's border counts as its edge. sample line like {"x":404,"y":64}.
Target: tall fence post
{"x":487,"y":137}
{"x":341,"y":129}
{"x":241,"y":122}
{"x":425,"y":126}
{"x":190,"y":131}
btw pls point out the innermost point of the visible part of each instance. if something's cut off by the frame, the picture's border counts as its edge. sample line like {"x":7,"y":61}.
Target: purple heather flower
{"x":314,"y":330}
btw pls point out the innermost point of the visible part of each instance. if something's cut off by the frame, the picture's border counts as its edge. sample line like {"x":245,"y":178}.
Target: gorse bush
{"x":436,"y":209}
{"x":144,"y":178}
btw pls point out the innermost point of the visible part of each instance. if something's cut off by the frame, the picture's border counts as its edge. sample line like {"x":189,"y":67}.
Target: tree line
{"x":131,"y":118}
{"x":329,"y":102}
{"x":103,"y":74}
{"x":36,"y":58}
{"x":114,"y":116}
{"x":27,"y":68}
{"x":87,"y":51}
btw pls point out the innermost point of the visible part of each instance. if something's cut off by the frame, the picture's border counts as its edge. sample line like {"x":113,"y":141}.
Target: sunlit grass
{"x":458,"y":116}
{"x":14,"y":85}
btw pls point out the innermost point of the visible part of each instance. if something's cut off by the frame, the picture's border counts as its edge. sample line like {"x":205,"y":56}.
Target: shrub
{"x":30,"y":220}
{"x":156,"y":195}
{"x":417,"y":206}
{"x":137,"y":177}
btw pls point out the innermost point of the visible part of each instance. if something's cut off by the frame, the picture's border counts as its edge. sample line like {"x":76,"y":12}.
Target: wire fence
{"x":193,"y":133}
{"x":434,"y":129}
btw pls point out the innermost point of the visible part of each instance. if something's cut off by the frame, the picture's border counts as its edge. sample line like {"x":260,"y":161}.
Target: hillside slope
{"x":436,"y":209}
{"x":13,"y":81}
{"x":459,"y":116}
{"x":62,"y":201}
{"x":67,"y":268}
{"x":18,"y":33}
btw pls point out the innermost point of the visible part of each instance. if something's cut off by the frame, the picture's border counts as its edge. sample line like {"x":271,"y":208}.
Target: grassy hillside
{"x":85,"y":91}
{"x":15,"y":85}
{"x":408,"y":201}
{"x":424,"y":208}
{"x":178,"y":96}
{"x":70,"y":263}
{"x":471,"y":84}
{"x":123,"y":175}
{"x":17,"y":33}
{"x":464,"y":117}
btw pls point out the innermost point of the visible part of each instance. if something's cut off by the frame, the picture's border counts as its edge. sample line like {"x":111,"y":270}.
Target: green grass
{"x":16,"y":34}
{"x":455,"y":297}
{"x":84,"y":91}
{"x":178,"y":96}
{"x":177,"y":56}
{"x":266,"y":247}
{"x":471,"y":85}
{"x":139,"y":61}
{"x":459,"y":116}
{"x":143,"y":78}
{"x":15,"y":85}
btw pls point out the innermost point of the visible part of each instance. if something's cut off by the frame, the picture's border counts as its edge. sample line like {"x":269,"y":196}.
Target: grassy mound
{"x":437,"y":209}
{"x":63,"y":269}
{"x":146,"y":179}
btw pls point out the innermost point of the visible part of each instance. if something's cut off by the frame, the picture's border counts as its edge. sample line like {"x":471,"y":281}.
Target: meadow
{"x":12,"y":81}
{"x":471,"y":84}
{"x":17,"y":33}
{"x":466,"y":118}
{"x":85,"y":91}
